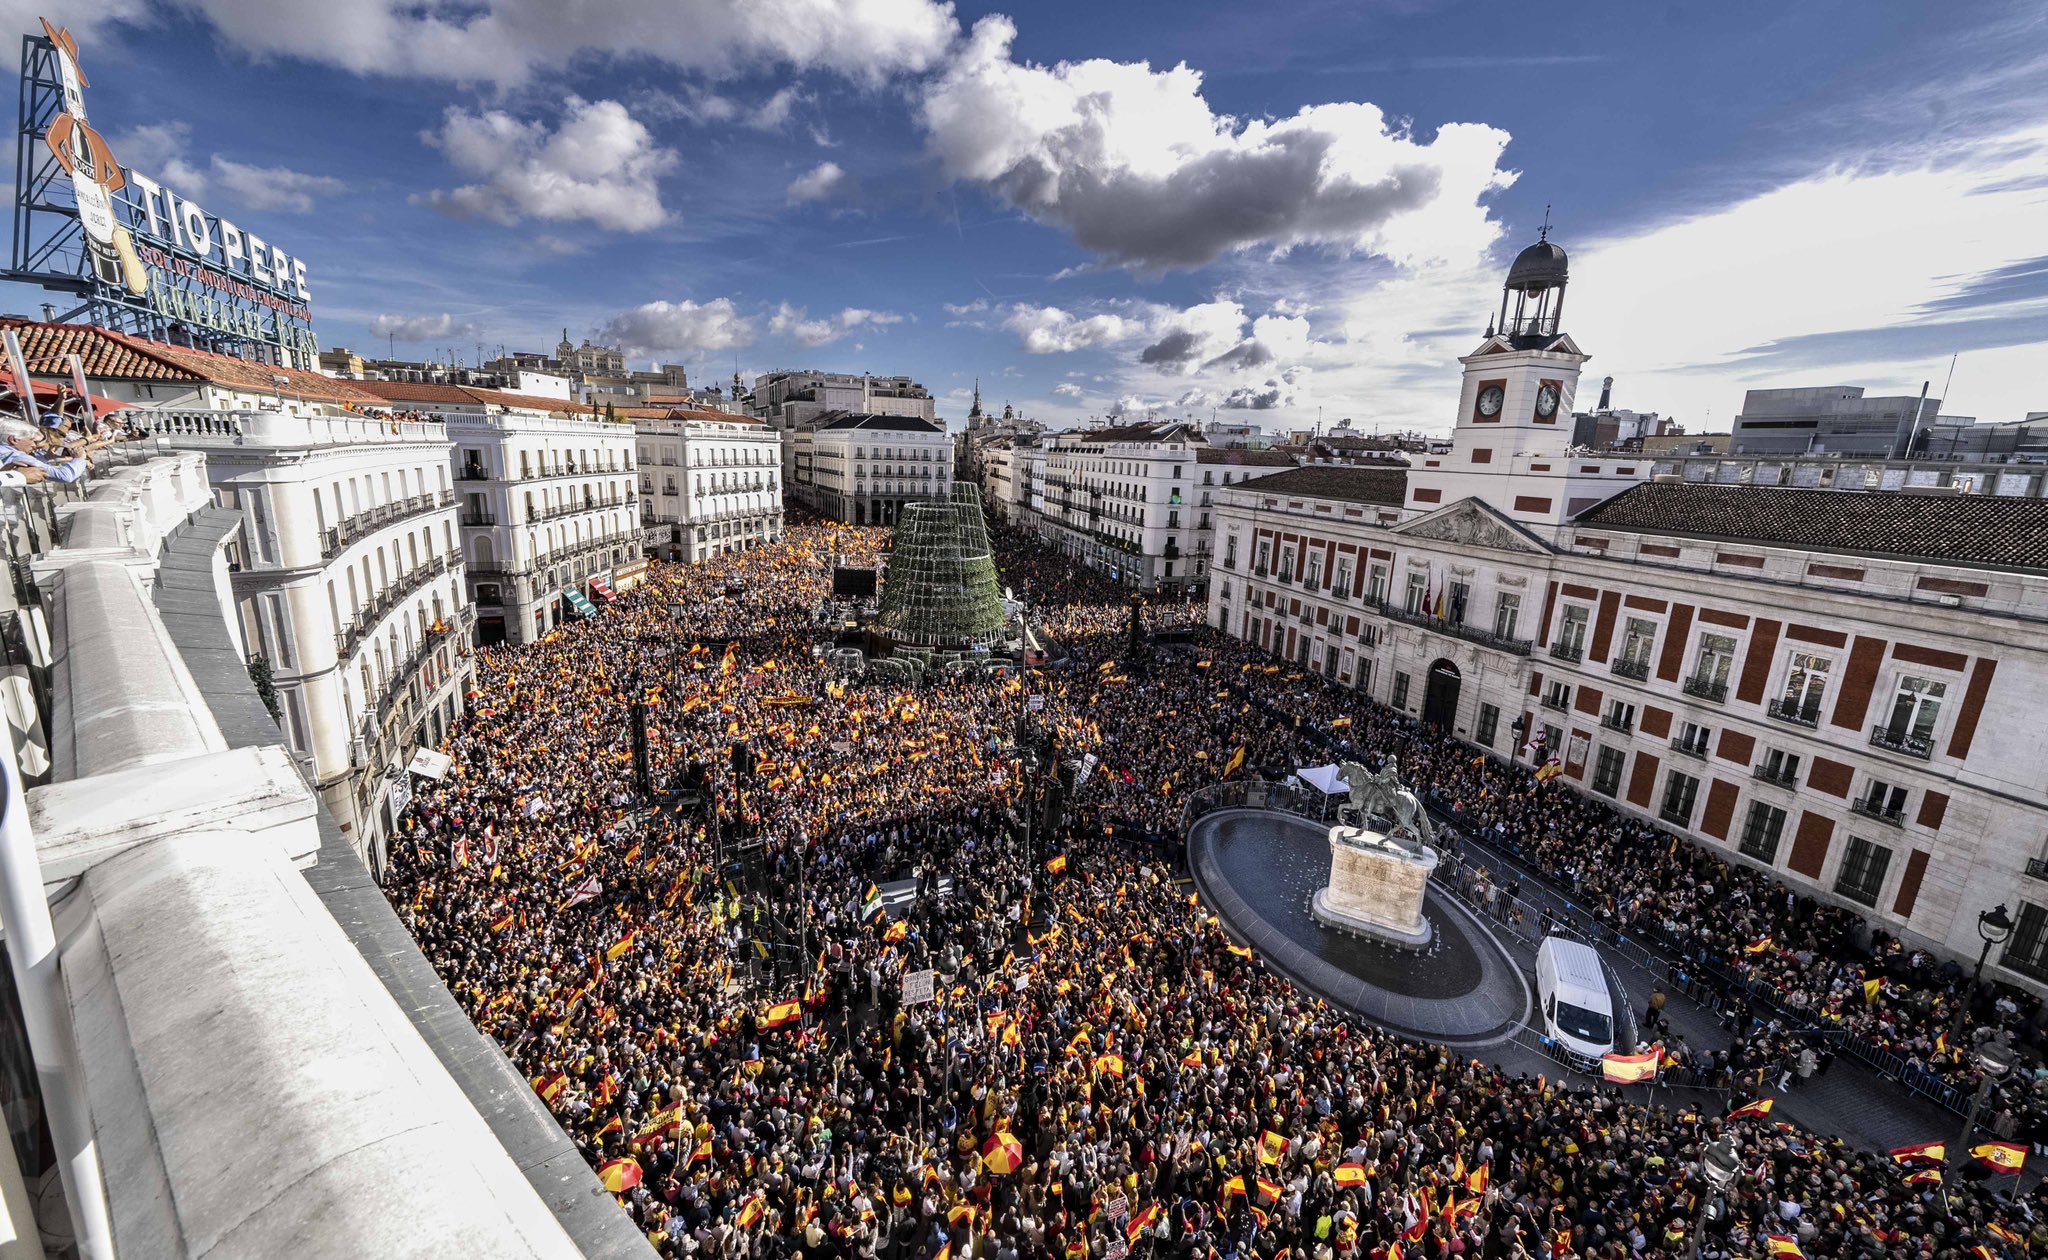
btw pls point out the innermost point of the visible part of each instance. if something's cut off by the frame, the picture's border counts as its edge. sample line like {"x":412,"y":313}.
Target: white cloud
{"x":678,"y":327}
{"x":774,"y":112}
{"x":600,"y":164}
{"x":420,"y":327}
{"x":1067,"y":389}
{"x":795,"y":323}
{"x":821,"y":181}
{"x":506,"y":41}
{"x":1050,"y":330}
{"x":162,"y":150}
{"x":1289,"y":389}
{"x":1137,"y":166}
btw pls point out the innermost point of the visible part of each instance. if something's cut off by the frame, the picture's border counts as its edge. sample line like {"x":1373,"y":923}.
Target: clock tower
{"x":1512,"y":445}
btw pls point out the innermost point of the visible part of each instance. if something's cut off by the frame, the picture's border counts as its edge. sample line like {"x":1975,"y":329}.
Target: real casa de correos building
{"x":1837,"y":686}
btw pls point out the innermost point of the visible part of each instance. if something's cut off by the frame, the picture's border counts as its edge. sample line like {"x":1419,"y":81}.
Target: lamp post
{"x":1994,"y":926}
{"x":1719,"y":1164}
{"x":1994,"y":1059}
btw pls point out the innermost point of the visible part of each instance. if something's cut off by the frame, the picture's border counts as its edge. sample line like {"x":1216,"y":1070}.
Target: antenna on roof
{"x":1543,"y":233}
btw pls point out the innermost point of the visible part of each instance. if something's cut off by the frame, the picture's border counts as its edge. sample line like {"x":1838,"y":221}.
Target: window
{"x":1400,"y":700}
{"x":1265,"y":557}
{"x":1862,"y":874}
{"x":1418,"y":593}
{"x":1637,"y":638}
{"x":1883,"y":801}
{"x":1607,"y":771}
{"x":1330,"y":661}
{"x":1507,"y":610}
{"x":1286,"y":571}
{"x":1806,"y":684}
{"x":1779,"y":767}
{"x":2027,"y":953}
{"x":1557,"y":695}
{"x":1693,"y":739}
{"x":1315,"y":570}
{"x":1916,"y":707}
{"x":1341,"y":581}
{"x":1376,"y":585}
{"x":1364,"y":680}
{"x":1230,"y":552}
{"x":1571,"y":635}
{"x":1709,"y":679}
{"x":1761,"y":832}
{"x":1620,"y":716}
{"x":1454,"y":610}
{"x":1680,"y":789}
{"x":1489,"y":723}
{"x":1553,"y":740}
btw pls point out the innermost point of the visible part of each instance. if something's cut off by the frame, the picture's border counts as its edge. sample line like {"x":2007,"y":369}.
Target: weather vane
{"x":1543,"y":233}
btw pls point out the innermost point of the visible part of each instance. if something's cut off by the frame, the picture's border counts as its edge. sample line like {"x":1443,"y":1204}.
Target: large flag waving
{"x":1236,"y":762}
{"x":2004,"y":1157}
{"x":1627,"y":1069}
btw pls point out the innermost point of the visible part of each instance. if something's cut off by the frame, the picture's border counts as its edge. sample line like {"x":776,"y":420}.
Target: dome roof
{"x":1541,"y":266}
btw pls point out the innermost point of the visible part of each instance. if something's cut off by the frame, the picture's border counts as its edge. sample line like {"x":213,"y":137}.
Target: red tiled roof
{"x":463,"y":395}
{"x":110,"y":355}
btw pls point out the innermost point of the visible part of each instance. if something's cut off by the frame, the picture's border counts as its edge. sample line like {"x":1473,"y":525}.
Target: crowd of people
{"x":1102,"y":1070}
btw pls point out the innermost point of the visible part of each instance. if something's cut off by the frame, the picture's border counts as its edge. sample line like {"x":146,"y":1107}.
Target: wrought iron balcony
{"x":1904,"y":742}
{"x":1807,"y":715}
{"x":1698,"y":749}
{"x":1568,"y":651}
{"x":1630,"y":668}
{"x":1779,"y":776}
{"x":1700,"y":687}
{"x":1560,"y":703}
{"x":1454,"y":629}
{"x":1882,"y":813}
{"x":1616,"y":722}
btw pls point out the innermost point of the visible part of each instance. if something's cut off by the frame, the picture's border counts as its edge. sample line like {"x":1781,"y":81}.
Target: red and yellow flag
{"x":1782,"y":1245}
{"x":2005,"y":1157}
{"x":1271,"y":1147}
{"x":782,"y":1013}
{"x":1753,"y":1110}
{"x":1349,"y":1175}
{"x":1627,"y":1069}
{"x":1058,"y":865}
{"x":1109,"y":1065}
{"x":1236,"y":762}
{"x":750,"y":1212}
{"x":1920,"y":1152}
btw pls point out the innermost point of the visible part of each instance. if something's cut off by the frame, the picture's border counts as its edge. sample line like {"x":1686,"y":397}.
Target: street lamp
{"x":1994,"y":926}
{"x":1719,"y":1164}
{"x":1993,"y":1059}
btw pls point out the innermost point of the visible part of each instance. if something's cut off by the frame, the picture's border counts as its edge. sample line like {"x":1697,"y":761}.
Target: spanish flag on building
{"x":2005,"y":1157}
{"x":1236,"y":762}
{"x":1627,"y":1069}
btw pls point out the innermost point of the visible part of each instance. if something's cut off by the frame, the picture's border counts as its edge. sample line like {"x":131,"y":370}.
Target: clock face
{"x":1490,"y":400}
{"x":1546,"y":401}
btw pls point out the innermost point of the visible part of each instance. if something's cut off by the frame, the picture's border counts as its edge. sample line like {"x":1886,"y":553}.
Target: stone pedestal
{"x":1376,"y":888}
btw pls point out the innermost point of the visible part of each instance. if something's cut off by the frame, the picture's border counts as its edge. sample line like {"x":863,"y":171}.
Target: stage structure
{"x":129,"y":252}
{"x":941,"y":590}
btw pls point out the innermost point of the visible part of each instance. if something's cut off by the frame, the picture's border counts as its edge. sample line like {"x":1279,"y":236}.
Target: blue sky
{"x":1260,"y":211}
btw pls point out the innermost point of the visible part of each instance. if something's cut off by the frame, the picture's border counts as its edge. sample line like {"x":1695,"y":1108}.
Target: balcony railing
{"x":1676,"y":816}
{"x":1568,"y":652}
{"x":1882,"y":813}
{"x":479,"y":518}
{"x":1560,"y":703}
{"x":1703,"y":688}
{"x":1778,"y":776}
{"x":1905,"y":742}
{"x":1696,"y":749}
{"x":473,"y":473}
{"x":535,"y":516}
{"x":363,"y":524}
{"x":1616,"y":722}
{"x":1454,"y":629}
{"x":1628,"y":668}
{"x":1807,"y":715}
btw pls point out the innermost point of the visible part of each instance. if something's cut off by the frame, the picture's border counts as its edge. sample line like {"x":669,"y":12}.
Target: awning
{"x":1328,"y":780}
{"x":602,"y":589}
{"x":581,"y":606}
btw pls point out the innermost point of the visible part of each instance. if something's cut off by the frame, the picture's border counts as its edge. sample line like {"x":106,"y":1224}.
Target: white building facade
{"x":1834,"y":687}
{"x":710,"y":484}
{"x":349,"y":584}
{"x":862,"y":468}
{"x":549,"y":503}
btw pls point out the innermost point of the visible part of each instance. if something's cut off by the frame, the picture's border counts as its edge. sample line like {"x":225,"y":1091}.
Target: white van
{"x":1571,"y":992}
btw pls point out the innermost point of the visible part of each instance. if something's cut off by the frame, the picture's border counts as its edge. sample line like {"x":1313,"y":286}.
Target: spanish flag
{"x":702,"y":1153}
{"x":1109,"y":1065}
{"x":1269,"y":1191}
{"x":1871,"y":988}
{"x":782,"y":1013}
{"x":1758,"y":946}
{"x":1350,"y":1175}
{"x":1242,"y":951}
{"x":2003,"y":1234}
{"x":1057,"y":865}
{"x":2005,"y":1157}
{"x":1139,"y":1222}
{"x":1627,"y":1069}
{"x":1782,"y":1245}
{"x":961,"y":1216}
{"x":750,"y":1212}
{"x":660,"y":1123}
{"x":1925,"y":1177}
{"x":550,"y":1086}
{"x":896,"y":931}
{"x":728,"y":662}
{"x":618,"y":951}
{"x":1193,"y":1059}
{"x":1481,"y":1178}
{"x":1753,"y":1110}
{"x":611,"y":1126}
{"x":1920,"y":1152}
{"x":1236,"y":762}
{"x":1233,"y":1186}
{"x":1271,"y":1147}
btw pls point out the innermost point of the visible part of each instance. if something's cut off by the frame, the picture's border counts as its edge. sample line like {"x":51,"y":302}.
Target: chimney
{"x":1606,"y":393}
